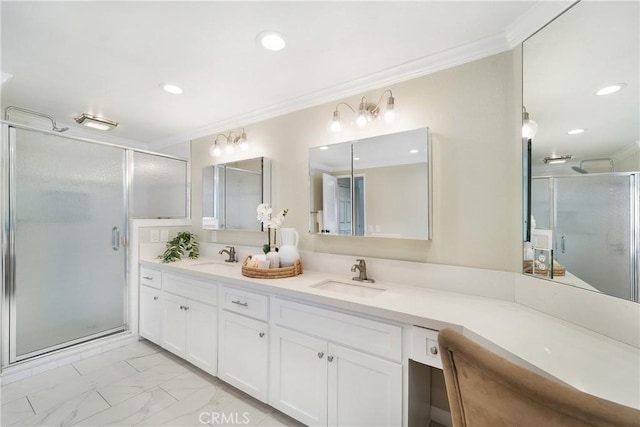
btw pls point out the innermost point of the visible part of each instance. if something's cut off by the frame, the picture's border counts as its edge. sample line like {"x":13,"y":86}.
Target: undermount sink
{"x":353,"y":289}
{"x":214,"y":263}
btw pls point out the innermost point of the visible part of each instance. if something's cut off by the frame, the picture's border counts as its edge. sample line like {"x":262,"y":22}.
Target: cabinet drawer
{"x":424,"y":347}
{"x":198,"y":290}
{"x":244,"y":302}
{"x":150,"y":277}
{"x":368,"y":335}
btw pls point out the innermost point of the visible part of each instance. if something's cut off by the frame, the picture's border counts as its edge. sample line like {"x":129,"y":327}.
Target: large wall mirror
{"x":580,"y":85}
{"x":373,"y":187}
{"x":232,"y":191}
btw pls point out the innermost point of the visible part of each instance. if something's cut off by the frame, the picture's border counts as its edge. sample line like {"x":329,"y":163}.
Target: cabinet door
{"x":202,"y":336}
{"x":150,"y":314}
{"x":298,"y":384}
{"x":363,"y":390}
{"x":242,"y":356}
{"x":174,"y":324}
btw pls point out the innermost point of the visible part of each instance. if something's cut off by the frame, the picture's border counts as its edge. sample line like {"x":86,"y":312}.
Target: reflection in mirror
{"x":374,"y":187}
{"x":585,"y":157}
{"x":232,"y":191}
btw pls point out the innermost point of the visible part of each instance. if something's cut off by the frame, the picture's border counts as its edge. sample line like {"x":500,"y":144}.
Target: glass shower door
{"x":68,"y":219}
{"x":594,"y":232}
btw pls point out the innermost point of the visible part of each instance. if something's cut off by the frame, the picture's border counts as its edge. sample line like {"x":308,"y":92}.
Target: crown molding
{"x":410,"y":70}
{"x":539,"y":15}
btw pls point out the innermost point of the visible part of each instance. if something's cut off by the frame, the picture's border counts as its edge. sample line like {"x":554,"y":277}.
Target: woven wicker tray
{"x":271,"y":273}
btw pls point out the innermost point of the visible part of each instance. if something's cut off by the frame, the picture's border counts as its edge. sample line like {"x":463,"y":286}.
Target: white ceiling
{"x":109,"y":58}
{"x":593,"y":45}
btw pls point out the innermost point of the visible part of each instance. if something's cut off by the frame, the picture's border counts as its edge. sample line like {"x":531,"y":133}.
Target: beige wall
{"x":473,"y":113}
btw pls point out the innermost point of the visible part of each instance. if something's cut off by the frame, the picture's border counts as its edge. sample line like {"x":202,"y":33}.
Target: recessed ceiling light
{"x":575,"y":131}
{"x":608,"y":90}
{"x":324,"y":147}
{"x":173,"y":89}
{"x":271,"y":40}
{"x":414,"y":151}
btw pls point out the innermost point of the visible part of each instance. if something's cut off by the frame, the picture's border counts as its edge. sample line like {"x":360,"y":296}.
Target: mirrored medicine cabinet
{"x":372,"y":187}
{"x":232,"y":191}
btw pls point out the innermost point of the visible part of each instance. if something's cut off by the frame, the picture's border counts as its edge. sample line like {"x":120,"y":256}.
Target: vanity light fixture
{"x":608,"y":90}
{"x":231,"y":141}
{"x":367,"y":112}
{"x":529,"y":127}
{"x":554,"y":160}
{"x":576,"y":131}
{"x":96,"y":122}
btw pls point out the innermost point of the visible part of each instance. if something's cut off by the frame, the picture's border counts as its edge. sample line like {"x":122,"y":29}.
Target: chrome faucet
{"x":231,"y":252}
{"x":361,"y":267}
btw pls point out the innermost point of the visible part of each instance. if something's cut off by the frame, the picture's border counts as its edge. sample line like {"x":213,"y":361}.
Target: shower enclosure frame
{"x":634,"y":221}
{"x":8,"y":263}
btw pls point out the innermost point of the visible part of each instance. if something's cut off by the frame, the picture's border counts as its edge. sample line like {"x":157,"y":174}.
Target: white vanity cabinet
{"x":189,"y":320}
{"x":243,"y":347}
{"x":150,"y":320}
{"x":150,"y":314}
{"x":332,"y":368}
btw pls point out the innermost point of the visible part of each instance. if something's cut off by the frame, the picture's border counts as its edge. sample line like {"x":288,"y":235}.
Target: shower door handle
{"x":115,"y":238}
{"x":562,"y":244}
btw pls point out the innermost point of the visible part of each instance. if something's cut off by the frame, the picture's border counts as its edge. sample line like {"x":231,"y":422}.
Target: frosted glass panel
{"x":541,"y":202}
{"x":159,"y":187}
{"x":69,"y":281}
{"x":593,"y":219}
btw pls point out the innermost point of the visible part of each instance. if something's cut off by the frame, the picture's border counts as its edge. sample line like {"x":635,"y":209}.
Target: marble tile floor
{"x":139,"y":384}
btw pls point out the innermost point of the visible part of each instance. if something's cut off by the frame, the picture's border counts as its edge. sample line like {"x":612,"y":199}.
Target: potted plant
{"x":184,"y":242}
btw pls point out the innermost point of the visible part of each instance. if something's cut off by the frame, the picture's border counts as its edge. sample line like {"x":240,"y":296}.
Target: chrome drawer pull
{"x":244,"y":304}
{"x":147,"y":277}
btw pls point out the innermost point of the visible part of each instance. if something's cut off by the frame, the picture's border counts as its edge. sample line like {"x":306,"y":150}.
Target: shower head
{"x":54,"y":127}
{"x":579,"y":169}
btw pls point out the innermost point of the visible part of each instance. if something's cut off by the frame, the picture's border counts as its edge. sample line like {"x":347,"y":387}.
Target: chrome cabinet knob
{"x":261,"y":334}
{"x":433,"y":350}
{"x":155,"y":298}
{"x":330,"y":358}
{"x":320,"y":355}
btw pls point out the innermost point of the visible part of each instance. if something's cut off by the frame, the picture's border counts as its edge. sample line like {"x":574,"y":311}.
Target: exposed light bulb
{"x":529,"y":129}
{"x":229,"y":148}
{"x":215,"y":151}
{"x":336,"y":126}
{"x":361,"y":120}
{"x":244,"y":145}
{"x":389,"y":116}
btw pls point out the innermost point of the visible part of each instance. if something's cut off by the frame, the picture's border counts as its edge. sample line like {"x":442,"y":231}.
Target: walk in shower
{"x":66,"y":206}
{"x":591,"y":222}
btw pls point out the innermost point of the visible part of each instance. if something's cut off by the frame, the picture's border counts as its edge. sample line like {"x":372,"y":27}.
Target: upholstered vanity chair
{"x":487,"y":390}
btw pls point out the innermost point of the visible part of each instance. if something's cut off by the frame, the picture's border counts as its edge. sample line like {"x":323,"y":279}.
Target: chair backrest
{"x":485,"y":389}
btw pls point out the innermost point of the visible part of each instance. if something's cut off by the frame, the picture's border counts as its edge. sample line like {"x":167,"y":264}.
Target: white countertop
{"x":576,"y":356}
